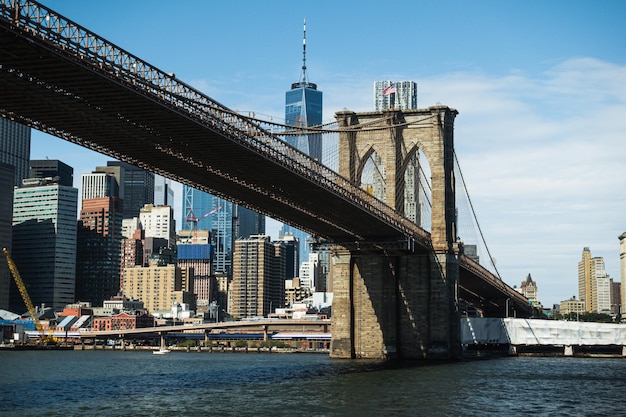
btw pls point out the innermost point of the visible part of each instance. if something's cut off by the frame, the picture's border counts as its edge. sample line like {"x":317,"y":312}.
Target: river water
{"x":138,"y":383}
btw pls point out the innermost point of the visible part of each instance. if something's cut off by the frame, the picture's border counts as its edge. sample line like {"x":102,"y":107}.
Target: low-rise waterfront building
{"x":123,"y":321}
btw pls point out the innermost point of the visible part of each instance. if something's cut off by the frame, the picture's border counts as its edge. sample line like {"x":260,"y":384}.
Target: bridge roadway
{"x":57,"y":77}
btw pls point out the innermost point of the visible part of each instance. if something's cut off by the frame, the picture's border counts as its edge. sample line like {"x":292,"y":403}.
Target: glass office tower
{"x":136,"y":186}
{"x":224,"y":220}
{"x":15,"y":148}
{"x":303,"y":108}
{"x":14,"y":156}
{"x":7,"y":174}
{"x":44,"y":242}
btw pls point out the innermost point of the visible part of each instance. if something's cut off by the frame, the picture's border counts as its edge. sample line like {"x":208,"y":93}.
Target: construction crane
{"x":191,"y":218}
{"x":29,"y":304}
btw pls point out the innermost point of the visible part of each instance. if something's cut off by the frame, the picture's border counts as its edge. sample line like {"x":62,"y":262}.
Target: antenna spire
{"x":304,"y":82}
{"x":303,"y":77}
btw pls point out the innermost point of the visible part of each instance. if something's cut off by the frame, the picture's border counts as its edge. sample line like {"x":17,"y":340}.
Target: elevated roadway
{"x":265,"y":326}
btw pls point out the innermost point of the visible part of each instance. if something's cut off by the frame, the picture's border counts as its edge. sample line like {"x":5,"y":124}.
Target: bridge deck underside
{"x":48,"y":88}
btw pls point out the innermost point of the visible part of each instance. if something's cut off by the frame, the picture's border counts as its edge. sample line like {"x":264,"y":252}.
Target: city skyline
{"x":539,"y":129}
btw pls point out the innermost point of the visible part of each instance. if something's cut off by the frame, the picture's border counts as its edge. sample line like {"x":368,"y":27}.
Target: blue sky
{"x":540,"y":88}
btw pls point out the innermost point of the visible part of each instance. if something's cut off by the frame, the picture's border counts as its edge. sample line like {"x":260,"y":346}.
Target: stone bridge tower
{"x":394,"y":301}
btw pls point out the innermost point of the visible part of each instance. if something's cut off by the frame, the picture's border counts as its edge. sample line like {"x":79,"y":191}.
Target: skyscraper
{"x":99,"y":249}
{"x":303,"y":108}
{"x":51,"y":168}
{"x":616,"y":298}
{"x":247,"y":222}
{"x":136,"y":187}
{"x":99,"y":185}
{"x":158,"y":222}
{"x":401,"y":95}
{"x":292,"y":255}
{"x":224,"y":220}
{"x":258,"y":284}
{"x":163,"y":191}
{"x":14,"y":156}
{"x":197,"y":205}
{"x":44,"y":242}
{"x":99,"y":237}
{"x":15,"y":148}
{"x":594,"y":285}
{"x":309,"y":272}
{"x":585,"y":272}
{"x":7,"y":175}
{"x":602,"y":291}
{"x":198,"y":257}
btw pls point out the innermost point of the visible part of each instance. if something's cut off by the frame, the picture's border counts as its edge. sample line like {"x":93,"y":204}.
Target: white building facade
{"x":600,"y":287}
{"x":158,"y":221}
{"x":99,"y":185}
{"x":308,"y":272}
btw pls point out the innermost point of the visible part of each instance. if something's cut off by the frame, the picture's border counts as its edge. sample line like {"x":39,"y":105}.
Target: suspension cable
{"x":456,"y":160}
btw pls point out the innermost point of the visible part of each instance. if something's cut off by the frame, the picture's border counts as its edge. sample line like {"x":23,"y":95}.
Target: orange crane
{"x":29,"y":304}
{"x":193,"y":219}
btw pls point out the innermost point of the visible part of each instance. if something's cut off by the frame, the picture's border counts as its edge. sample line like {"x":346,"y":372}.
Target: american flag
{"x":389,"y":90}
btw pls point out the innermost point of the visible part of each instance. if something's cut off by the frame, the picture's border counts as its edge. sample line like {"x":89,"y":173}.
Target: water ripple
{"x":93,"y":383}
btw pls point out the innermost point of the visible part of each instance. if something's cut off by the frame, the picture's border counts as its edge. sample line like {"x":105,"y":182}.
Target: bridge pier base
{"x":394,"y":306}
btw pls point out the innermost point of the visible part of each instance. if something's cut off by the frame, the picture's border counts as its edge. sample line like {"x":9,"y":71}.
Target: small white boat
{"x":162,"y":347}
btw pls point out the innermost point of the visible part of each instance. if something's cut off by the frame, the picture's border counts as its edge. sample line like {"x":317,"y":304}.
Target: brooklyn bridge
{"x":401,"y":274}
